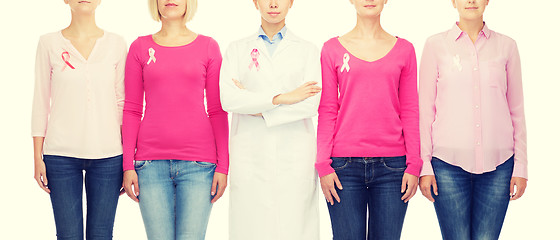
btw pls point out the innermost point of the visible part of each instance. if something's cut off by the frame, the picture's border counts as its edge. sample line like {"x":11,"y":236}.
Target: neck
{"x":369,"y":28}
{"x":471,"y":27}
{"x":271,"y":29}
{"x":83,"y":25}
{"x":173,"y":27}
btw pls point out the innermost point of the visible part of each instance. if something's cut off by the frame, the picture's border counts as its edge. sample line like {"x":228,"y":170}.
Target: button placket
{"x":88,"y":85}
{"x":477,"y":110}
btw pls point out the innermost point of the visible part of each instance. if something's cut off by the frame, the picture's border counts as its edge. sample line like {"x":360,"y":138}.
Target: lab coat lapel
{"x":262,"y":48}
{"x":285,"y":43}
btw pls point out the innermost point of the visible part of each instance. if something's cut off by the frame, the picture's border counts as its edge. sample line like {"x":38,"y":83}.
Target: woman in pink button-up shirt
{"x":472,"y":125}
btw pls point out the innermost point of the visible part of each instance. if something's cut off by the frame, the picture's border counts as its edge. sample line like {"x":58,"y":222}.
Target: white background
{"x":25,"y":210}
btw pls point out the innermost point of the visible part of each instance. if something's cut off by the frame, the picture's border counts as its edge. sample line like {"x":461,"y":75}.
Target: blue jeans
{"x":103,"y":181}
{"x":369,"y":185}
{"x":175,"y":198}
{"x":471,"y":206}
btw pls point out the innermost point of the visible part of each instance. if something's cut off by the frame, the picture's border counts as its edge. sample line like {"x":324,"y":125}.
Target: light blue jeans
{"x":175,"y":198}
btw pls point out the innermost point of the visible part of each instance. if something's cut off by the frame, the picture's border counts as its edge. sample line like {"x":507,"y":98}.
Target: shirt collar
{"x":279,"y":36}
{"x":456,"y":32}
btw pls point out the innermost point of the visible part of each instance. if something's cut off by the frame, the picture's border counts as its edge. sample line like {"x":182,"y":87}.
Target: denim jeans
{"x":370,"y":185}
{"x":175,"y":198}
{"x":103,"y":181}
{"x":471,"y":206}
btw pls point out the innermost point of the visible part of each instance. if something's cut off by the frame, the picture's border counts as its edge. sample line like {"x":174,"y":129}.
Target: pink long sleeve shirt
{"x":471,"y":102}
{"x":368,"y":109}
{"x":176,"y":123}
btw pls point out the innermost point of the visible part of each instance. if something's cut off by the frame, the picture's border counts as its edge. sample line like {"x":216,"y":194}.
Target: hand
{"x":41,"y":174}
{"x":327,"y":185}
{"x":409,"y":184}
{"x":301,"y":93}
{"x":220,"y":182}
{"x":518,"y":183}
{"x":426,"y":184}
{"x":238,"y":84}
{"x":130,"y":178}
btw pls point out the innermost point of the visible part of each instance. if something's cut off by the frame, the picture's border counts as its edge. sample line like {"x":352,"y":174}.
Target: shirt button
{"x":476,"y":106}
{"x":477,"y":143}
{"x":477,"y":125}
{"x":475,"y":69}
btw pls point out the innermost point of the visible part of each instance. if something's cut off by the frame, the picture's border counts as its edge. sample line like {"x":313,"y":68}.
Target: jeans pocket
{"x":139,"y":165}
{"x":395,"y":163}
{"x":204,"y":164}
{"x":339,"y":163}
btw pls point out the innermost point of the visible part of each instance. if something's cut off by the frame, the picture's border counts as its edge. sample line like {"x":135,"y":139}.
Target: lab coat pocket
{"x":298,"y":156}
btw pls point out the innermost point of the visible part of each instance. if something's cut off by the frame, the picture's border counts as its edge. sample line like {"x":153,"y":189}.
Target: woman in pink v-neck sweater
{"x":368,"y":139}
{"x":368,"y":109}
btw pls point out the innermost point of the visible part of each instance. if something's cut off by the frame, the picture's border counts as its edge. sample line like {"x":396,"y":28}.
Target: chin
{"x":472,"y":16}
{"x":274,"y":20}
{"x":369,"y":14}
{"x":173,"y":16}
{"x":85,"y":11}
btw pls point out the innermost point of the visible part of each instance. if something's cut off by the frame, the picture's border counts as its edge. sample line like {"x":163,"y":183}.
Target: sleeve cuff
{"x":324,"y":168}
{"x":520,"y":170}
{"x":128,"y":164}
{"x":222,"y":170}
{"x":38,"y":134}
{"x":427,"y":168}
{"x":413,"y":168}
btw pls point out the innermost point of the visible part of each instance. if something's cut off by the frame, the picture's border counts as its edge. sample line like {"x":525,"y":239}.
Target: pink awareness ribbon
{"x":66,"y":57}
{"x":345,"y":63}
{"x":152,"y":54}
{"x":254,"y":56}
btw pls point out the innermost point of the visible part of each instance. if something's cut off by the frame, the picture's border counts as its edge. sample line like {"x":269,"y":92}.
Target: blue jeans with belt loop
{"x":103,"y":181}
{"x":370,"y":185}
{"x":471,"y":206}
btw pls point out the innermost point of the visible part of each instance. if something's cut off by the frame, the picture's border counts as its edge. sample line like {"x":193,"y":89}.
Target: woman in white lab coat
{"x":270,"y":81}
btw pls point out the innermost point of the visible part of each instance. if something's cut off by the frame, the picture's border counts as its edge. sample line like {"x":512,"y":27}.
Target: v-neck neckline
{"x":75,"y":50}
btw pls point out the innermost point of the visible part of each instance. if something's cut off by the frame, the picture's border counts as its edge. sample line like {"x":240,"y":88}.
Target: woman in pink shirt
{"x":368,"y":141}
{"x":76,"y":119}
{"x":176,"y":155}
{"x":472,"y":125}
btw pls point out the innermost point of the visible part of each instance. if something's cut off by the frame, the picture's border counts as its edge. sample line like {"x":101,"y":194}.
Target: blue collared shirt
{"x":271,"y":45}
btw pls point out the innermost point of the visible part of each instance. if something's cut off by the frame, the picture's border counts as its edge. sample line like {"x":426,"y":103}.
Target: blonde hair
{"x":191,"y":10}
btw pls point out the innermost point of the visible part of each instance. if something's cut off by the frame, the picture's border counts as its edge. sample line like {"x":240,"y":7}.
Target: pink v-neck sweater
{"x":368,"y":109}
{"x":176,"y":123}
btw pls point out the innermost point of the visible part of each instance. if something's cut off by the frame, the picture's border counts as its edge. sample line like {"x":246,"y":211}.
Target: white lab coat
{"x":273,"y":183}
